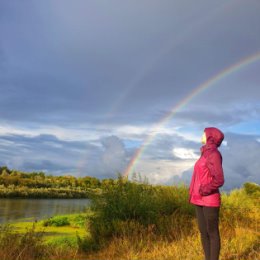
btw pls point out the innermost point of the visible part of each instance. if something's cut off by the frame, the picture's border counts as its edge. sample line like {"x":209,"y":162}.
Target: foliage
{"x":74,"y":220}
{"x":25,"y":192}
{"x":125,"y":208}
{"x":15,"y":183}
{"x":56,"y":221}
{"x":252,"y":189}
{"x":27,"y":246}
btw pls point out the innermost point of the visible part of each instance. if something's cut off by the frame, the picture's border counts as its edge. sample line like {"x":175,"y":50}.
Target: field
{"x":137,"y":221}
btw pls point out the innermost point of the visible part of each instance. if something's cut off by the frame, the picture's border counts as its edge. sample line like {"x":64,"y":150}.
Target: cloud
{"x":240,"y":160}
{"x":114,"y":155}
{"x":184,"y":153}
{"x":102,"y":158}
{"x":168,"y":160}
{"x":162,"y":171}
{"x":106,"y":161}
{"x":43,"y":152}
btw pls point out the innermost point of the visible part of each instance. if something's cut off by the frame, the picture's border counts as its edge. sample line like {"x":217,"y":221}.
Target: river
{"x":13,"y":210}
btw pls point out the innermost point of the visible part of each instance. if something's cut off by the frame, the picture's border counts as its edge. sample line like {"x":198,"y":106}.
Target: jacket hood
{"x":214,"y":136}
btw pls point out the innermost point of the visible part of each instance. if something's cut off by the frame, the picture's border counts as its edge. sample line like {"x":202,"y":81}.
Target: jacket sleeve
{"x":214,"y":164}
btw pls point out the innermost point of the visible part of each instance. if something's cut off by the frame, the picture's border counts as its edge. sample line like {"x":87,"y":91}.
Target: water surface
{"x":12,"y":210}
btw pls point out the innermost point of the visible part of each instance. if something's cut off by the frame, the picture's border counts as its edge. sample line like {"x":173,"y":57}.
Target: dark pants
{"x":208,"y":225}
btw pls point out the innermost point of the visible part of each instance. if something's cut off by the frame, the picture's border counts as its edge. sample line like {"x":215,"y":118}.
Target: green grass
{"x":61,"y":237}
{"x":54,"y":228}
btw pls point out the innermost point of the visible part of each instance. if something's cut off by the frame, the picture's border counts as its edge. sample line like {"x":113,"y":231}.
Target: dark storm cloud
{"x":222,"y":114}
{"x":241,"y":160}
{"x":71,"y":61}
{"x":43,"y":152}
{"x":101,"y":158}
{"x":45,"y":165}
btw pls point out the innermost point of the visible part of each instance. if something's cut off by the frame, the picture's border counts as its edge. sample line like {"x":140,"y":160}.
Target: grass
{"x":131,"y":221}
{"x":58,"y":237}
{"x":56,"y":227}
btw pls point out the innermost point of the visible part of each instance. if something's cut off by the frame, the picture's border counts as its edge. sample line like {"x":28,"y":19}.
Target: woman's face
{"x":204,"y":138}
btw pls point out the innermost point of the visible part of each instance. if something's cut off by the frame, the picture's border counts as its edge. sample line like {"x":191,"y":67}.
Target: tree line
{"x":14,"y":183}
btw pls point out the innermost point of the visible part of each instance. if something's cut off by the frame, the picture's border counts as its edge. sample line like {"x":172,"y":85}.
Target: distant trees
{"x":40,"y":180}
{"x":14,"y":183}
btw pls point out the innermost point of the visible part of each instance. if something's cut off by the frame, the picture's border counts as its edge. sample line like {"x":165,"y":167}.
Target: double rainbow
{"x":195,"y":92}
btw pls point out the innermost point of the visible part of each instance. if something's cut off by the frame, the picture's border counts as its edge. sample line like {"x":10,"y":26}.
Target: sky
{"x":86,"y":85}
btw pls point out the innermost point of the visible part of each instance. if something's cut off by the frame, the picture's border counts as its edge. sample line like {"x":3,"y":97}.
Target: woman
{"x":204,"y":191}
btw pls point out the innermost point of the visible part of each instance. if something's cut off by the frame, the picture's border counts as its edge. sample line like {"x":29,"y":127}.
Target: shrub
{"x":252,"y":189}
{"x":78,"y":220}
{"x":125,"y":208}
{"x":56,"y":221}
{"x":238,"y":208}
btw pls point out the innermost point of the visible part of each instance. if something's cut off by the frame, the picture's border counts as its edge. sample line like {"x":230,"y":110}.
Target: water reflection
{"x":35,"y":209}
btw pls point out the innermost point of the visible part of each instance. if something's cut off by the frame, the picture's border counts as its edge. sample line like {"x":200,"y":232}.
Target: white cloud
{"x":114,"y":155}
{"x":79,"y":132}
{"x":108,"y":159}
{"x":132,"y":131}
{"x":162,"y":171}
{"x":184,"y":153}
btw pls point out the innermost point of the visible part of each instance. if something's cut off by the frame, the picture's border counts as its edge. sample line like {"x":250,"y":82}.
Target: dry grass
{"x":240,"y":244}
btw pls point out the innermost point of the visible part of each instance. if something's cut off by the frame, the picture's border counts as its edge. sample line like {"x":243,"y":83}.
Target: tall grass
{"x":27,"y":246}
{"x":141,"y":221}
{"x":142,"y":211}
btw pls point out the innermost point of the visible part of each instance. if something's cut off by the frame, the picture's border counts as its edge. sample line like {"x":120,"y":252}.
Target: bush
{"x":136,"y":209}
{"x":78,"y":220}
{"x":238,"y":208}
{"x":252,"y":189}
{"x":56,"y":221}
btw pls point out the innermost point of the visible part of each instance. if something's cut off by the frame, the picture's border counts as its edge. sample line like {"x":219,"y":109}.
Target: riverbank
{"x":17,"y":184}
{"x":137,"y":221}
{"x":46,"y":193}
{"x":53,"y":238}
{"x":64,"y":239}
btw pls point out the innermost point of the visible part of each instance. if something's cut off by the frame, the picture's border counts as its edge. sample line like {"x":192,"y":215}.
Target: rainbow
{"x":195,"y":92}
{"x":150,"y":64}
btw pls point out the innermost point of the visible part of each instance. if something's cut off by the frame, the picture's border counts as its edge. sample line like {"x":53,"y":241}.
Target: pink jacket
{"x":208,"y":173}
